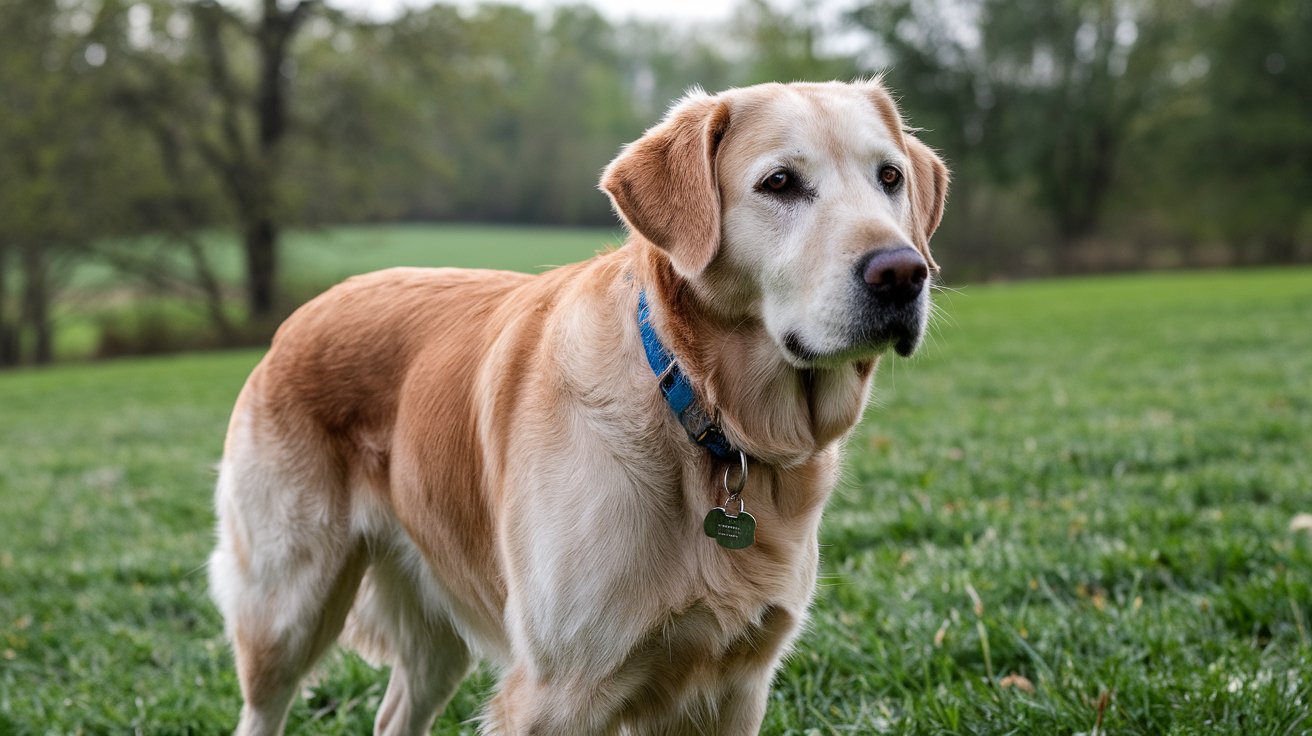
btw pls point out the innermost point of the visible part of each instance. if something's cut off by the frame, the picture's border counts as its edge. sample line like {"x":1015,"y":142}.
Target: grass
{"x":1070,"y":514}
{"x":329,"y":256}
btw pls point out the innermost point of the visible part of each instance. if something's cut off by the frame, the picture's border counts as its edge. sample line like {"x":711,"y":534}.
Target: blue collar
{"x":678,"y":392}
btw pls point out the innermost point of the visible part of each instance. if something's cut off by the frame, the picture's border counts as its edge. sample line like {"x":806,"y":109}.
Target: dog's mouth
{"x":795,"y":348}
{"x":900,"y":331}
{"x":901,"y":341}
{"x":902,"y":337}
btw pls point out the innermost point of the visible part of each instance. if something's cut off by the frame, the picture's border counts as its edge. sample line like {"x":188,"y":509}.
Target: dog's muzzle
{"x":892,"y":283}
{"x":889,"y":306}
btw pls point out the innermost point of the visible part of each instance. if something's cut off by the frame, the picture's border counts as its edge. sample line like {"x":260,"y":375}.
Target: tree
{"x":67,"y":171}
{"x":1257,"y":96}
{"x":786,"y":46}
{"x":250,"y":169}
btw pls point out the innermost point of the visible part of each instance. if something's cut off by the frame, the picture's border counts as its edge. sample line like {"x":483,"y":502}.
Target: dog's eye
{"x":784,"y":184}
{"x":890,"y":178}
{"x":778,"y":181}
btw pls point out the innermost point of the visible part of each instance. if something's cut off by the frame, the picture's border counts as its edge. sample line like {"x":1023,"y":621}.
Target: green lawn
{"x":331,"y":255}
{"x":1085,"y":483}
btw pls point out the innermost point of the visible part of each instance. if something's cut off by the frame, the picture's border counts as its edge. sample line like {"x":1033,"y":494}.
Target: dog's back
{"x":340,"y":358}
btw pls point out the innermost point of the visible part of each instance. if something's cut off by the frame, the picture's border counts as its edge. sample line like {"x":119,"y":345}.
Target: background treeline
{"x":1083,"y":134}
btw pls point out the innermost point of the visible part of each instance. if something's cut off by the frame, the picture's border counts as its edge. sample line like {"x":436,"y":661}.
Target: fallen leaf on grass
{"x":941,"y":634}
{"x":1020,"y":682}
{"x":976,"y":603}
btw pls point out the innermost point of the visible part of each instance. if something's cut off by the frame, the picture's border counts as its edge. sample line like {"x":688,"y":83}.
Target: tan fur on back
{"x":455,"y":465}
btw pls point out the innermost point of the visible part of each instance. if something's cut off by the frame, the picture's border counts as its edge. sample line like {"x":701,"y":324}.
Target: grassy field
{"x":1070,"y":514}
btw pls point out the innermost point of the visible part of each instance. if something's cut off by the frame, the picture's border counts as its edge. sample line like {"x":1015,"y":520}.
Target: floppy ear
{"x":664,"y":185}
{"x":929,"y":191}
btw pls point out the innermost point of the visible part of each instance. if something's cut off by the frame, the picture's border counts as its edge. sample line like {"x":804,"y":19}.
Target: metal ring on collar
{"x":742,"y":476}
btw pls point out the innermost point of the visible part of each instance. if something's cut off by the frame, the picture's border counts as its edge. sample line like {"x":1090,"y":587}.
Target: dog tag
{"x":732,"y":532}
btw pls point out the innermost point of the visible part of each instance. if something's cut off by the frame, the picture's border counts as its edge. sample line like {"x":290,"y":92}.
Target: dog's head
{"x":808,"y":205}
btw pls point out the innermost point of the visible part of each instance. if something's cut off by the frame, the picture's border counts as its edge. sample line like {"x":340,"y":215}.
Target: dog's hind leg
{"x":392,"y":624}
{"x":286,"y":568}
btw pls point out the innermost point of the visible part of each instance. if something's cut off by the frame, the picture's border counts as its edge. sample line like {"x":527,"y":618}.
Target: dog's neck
{"x":773,"y":411}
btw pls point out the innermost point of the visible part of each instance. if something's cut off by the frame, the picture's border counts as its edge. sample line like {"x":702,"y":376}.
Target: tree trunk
{"x":261,"y":266}
{"x":185,"y":218}
{"x":211,"y":288}
{"x":251,"y":171}
{"x":8,"y":333}
{"x":273,"y":36}
{"x":36,"y":303}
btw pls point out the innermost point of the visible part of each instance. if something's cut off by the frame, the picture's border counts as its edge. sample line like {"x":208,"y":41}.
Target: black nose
{"x":894,"y":275}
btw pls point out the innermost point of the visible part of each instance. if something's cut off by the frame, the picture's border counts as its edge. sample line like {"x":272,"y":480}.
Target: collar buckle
{"x":678,"y":391}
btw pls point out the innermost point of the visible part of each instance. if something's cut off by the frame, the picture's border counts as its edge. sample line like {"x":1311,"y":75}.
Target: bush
{"x":154,"y":327}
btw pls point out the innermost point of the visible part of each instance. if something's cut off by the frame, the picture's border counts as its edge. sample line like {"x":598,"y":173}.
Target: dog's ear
{"x":929,"y":191}
{"x":664,"y":184}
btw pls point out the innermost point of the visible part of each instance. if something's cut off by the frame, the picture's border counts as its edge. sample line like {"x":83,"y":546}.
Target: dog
{"x":606,"y":479}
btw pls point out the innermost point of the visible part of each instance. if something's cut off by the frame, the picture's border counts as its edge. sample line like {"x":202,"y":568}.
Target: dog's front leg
{"x":752,"y":665}
{"x":742,"y":706}
{"x":524,"y":706}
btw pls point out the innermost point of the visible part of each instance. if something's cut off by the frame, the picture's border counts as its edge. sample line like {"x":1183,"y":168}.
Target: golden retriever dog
{"x":606,"y":479}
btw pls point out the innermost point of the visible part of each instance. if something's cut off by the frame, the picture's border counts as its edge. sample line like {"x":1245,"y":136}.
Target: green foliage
{"x":1256,"y":97}
{"x":1087,"y":483}
{"x":70,"y":174}
{"x":491,"y":113}
{"x":786,"y":45}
